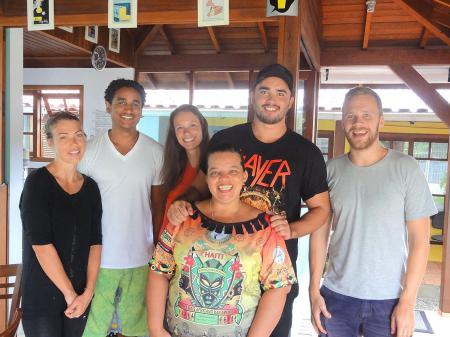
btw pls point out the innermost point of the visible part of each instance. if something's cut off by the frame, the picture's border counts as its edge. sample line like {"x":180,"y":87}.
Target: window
{"x":39,"y":103}
{"x":431,"y":154}
{"x":325,"y":143}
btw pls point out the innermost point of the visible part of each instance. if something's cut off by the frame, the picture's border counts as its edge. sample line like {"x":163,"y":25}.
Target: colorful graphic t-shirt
{"x":218,"y":272}
{"x":280,"y":174}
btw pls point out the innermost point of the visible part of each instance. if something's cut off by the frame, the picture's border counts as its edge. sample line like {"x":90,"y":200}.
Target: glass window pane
{"x":421,"y":149}
{"x":28,"y":103}
{"x":386,"y":143}
{"x":322,"y":144}
{"x":439,"y":150}
{"x":439,"y":202}
{"x":28,"y":146}
{"x":436,"y":174}
{"x":27,"y":123}
{"x":401,"y":146}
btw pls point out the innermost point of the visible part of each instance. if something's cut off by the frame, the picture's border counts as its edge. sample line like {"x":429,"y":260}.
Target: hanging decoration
{"x":40,"y":14}
{"x":114,"y":40}
{"x":282,"y":8}
{"x":213,"y":12}
{"x":122,"y":13}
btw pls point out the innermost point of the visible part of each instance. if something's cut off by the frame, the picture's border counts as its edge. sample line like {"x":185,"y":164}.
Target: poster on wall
{"x":91,"y":34}
{"x":114,"y":40}
{"x":213,"y":12}
{"x":122,"y":13}
{"x":282,"y":8}
{"x":40,"y":14}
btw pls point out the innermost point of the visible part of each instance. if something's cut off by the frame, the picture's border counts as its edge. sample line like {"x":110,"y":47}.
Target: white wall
{"x":14,"y":138}
{"x":94,"y":82}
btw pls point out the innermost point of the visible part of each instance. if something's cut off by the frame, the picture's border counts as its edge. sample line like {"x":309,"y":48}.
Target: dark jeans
{"x":352,"y":317}
{"x":57,"y":325}
{"x":283,"y":327}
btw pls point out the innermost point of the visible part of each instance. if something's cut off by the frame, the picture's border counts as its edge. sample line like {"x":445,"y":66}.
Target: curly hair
{"x":123,"y":83}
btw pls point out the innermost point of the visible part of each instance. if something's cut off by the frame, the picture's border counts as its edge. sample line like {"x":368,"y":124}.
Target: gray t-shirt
{"x":369,"y":245}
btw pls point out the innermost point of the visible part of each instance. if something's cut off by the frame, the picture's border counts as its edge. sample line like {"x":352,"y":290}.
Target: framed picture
{"x":40,"y":14}
{"x":91,"y":34}
{"x":282,"y":8}
{"x":213,"y":12}
{"x":68,"y":29}
{"x":122,"y":13}
{"x":114,"y":40}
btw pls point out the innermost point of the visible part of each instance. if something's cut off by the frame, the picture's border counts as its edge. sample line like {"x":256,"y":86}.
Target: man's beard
{"x":362,"y":145}
{"x":273,"y":119}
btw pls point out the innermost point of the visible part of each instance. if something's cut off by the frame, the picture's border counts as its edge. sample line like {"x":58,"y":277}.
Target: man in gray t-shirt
{"x":378,"y":250}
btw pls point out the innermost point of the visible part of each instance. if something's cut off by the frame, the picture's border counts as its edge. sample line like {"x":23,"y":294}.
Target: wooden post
{"x":191,"y":87}
{"x":310,"y":105}
{"x":289,"y":56}
{"x":2,"y":89}
{"x":3,"y":187}
{"x":339,"y":140}
{"x":251,"y":82}
{"x":444,"y":303}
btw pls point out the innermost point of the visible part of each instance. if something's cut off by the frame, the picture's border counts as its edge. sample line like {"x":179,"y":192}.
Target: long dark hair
{"x":175,"y":158}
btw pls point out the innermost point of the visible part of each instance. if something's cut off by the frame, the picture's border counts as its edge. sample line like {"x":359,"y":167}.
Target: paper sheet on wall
{"x":101,"y":122}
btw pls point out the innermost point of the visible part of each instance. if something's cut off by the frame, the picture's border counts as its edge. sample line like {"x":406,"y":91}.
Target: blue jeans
{"x":352,"y":317}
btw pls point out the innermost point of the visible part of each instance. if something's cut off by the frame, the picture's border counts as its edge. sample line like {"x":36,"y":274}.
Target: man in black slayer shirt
{"x":283,"y":169}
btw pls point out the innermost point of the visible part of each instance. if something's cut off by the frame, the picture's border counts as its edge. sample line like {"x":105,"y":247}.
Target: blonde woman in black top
{"x":61,"y":217}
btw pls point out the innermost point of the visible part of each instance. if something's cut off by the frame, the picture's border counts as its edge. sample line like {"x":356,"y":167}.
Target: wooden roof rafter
{"x":170,"y":43}
{"x":263,"y":35}
{"x":424,"y":38}
{"x":218,"y":50}
{"x":370,"y":10}
{"x":422,"y":11}
{"x":150,"y":35}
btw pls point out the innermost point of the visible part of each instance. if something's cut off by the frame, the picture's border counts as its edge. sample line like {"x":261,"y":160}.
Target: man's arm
{"x":157,"y":205}
{"x":318,"y":244}
{"x":402,"y":320}
{"x":318,"y":211}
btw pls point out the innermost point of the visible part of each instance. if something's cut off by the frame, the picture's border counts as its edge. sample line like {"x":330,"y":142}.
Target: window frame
{"x":36,"y":91}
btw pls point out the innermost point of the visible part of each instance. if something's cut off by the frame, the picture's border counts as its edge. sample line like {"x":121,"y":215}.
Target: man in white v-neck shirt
{"x":126,"y":165}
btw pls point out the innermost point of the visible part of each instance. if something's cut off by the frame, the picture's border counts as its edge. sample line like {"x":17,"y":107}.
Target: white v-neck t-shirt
{"x":125,"y":185}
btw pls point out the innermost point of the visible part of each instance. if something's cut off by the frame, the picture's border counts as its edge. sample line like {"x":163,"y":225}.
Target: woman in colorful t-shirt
{"x":225,"y":270}
{"x":185,"y":148}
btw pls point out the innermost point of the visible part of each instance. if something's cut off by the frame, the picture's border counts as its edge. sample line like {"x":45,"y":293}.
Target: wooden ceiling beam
{"x":237,"y":15}
{"x":205,"y":62}
{"x":422,"y":11}
{"x":383,"y":56}
{"x":76,"y":40}
{"x":152,"y":81}
{"x":263,"y":35}
{"x":424,"y":90}
{"x":310,"y":23}
{"x":424,"y":38}
{"x":367,"y":26}
{"x":230,"y":80}
{"x":170,"y":43}
{"x":214,"y":40}
{"x":148,"y":38}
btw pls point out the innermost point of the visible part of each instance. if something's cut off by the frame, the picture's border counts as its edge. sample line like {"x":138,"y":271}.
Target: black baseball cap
{"x":275,"y":70}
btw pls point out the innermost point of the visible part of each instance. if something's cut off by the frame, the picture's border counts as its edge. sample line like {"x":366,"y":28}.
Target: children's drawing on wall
{"x":213,"y":12}
{"x":122,"y":13}
{"x":40,"y":14}
{"x":282,"y":7}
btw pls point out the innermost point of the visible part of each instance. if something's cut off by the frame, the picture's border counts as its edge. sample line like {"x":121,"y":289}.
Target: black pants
{"x":283,"y":328}
{"x":54,"y":325}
